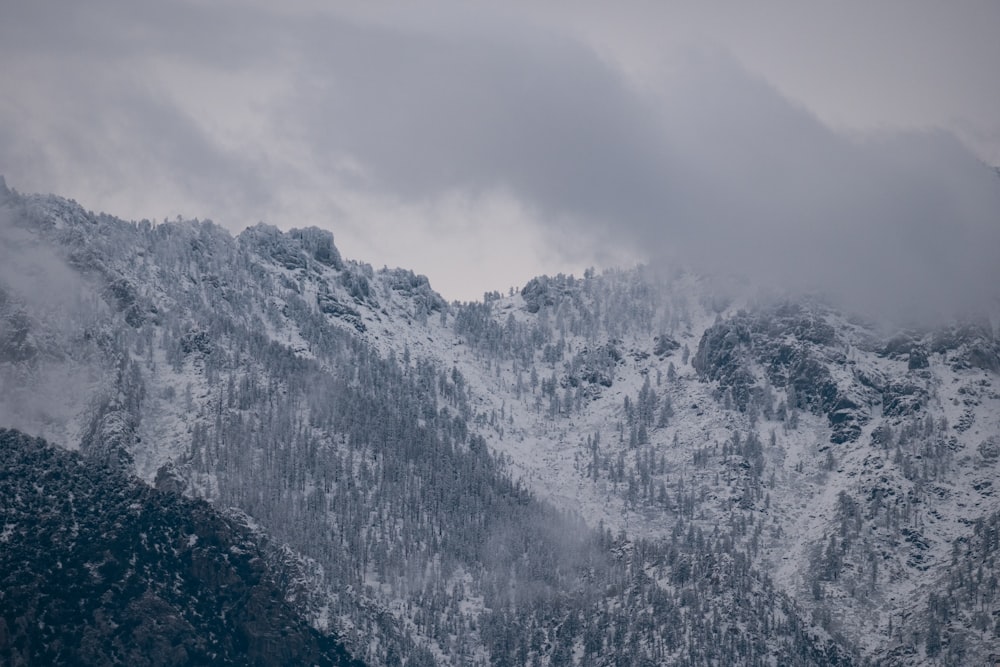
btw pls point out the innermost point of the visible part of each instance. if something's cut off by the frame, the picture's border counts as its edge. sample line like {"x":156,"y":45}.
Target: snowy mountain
{"x":635,"y":467}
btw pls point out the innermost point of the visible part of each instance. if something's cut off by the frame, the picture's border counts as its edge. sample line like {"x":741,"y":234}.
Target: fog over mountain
{"x":588,"y":136}
{"x":714,"y":169}
{"x":630,"y":467}
{"x":671,"y":441}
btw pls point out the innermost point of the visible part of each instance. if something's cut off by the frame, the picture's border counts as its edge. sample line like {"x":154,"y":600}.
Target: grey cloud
{"x":117,"y":31}
{"x":111,"y":135}
{"x":905,"y":225}
{"x":718,"y":171}
{"x":714,"y":168}
{"x":87,"y":111}
{"x":139,"y":143}
{"x":532,"y":113}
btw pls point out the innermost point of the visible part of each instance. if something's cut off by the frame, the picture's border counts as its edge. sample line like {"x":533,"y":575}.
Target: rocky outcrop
{"x":269,"y":242}
{"x":358,"y":286}
{"x":416,"y":288}
{"x":901,"y":398}
{"x":318,"y":244}
{"x":793,"y":347}
{"x":329,"y":305}
{"x":537,"y":295}
{"x":969,"y":345}
{"x":594,"y":366}
{"x":663,"y":345}
{"x":547,"y":292}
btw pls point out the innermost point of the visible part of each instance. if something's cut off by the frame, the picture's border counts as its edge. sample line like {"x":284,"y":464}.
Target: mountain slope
{"x":606,"y":470}
{"x":858,"y":456}
{"x":97,"y":568}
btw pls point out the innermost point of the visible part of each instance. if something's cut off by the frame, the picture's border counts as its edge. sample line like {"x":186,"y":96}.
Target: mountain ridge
{"x":793,"y":437}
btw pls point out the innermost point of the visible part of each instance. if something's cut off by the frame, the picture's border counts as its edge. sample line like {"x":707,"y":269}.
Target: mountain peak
{"x":768,"y":468}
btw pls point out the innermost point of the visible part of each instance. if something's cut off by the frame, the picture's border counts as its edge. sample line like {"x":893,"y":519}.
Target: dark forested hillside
{"x":97,"y":568}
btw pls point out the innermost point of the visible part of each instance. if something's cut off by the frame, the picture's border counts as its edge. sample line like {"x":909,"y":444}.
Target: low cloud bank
{"x":711,"y":167}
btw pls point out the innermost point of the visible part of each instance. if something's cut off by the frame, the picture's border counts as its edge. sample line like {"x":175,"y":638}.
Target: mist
{"x":342,"y":119}
{"x":48,"y":372}
{"x":711,"y":168}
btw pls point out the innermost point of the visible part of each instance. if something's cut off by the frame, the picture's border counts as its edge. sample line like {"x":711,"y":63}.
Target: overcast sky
{"x":837,"y":146}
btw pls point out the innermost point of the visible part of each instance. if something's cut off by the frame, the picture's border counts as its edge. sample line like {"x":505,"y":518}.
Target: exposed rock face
{"x":330,"y":305}
{"x":792,"y":347}
{"x":548,"y":291}
{"x":969,"y":345}
{"x":536,"y":294}
{"x":268,"y":241}
{"x":901,"y":398}
{"x":723,"y":355}
{"x":125,"y":296}
{"x":416,"y":287}
{"x":664,"y":345}
{"x":358,"y":286}
{"x":318,"y":243}
{"x":918,"y":358}
{"x":96,"y":568}
{"x":594,"y":366}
